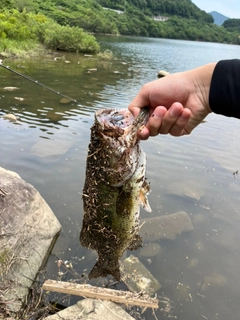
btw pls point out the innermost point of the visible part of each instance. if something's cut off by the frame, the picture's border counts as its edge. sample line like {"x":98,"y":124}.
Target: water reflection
{"x":84,"y":79}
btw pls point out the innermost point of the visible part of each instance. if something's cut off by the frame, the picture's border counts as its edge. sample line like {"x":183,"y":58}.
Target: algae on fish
{"x":114,"y":188}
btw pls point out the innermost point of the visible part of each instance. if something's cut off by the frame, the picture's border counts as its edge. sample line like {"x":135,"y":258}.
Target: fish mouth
{"x":113,"y":118}
{"x":121,"y":119}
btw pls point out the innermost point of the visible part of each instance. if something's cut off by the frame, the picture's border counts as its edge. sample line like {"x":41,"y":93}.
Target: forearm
{"x":179,"y":102}
{"x":224,"y":95}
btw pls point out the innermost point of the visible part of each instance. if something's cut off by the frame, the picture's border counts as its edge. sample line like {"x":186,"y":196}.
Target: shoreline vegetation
{"x":26,"y":34}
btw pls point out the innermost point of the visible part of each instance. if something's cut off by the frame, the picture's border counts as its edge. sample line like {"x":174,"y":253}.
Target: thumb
{"x":138,"y":103}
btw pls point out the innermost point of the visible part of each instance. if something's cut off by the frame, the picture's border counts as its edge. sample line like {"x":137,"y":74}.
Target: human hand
{"x":177,"y":103}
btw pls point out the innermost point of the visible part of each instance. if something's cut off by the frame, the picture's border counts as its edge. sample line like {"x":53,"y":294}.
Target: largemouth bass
{"x":114,"y":188}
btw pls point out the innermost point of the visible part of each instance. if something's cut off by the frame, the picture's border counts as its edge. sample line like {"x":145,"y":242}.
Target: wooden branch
{"x":86,"y":290}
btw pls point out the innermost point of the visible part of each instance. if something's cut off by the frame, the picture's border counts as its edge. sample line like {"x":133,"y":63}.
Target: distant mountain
{"x":218,"y":17}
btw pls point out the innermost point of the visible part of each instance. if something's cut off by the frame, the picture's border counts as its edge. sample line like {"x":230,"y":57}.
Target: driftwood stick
{"x":86,"y":290}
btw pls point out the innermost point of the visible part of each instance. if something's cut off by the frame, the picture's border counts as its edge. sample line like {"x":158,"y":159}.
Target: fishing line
{"x":37,"y":82}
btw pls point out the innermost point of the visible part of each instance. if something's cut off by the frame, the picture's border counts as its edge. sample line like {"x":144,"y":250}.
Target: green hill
{"x":232,"y":25}
{"x":181,"y":8}
{"x":182,"y":19}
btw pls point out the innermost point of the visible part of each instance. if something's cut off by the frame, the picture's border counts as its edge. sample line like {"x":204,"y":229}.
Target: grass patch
{"x":20,"y":49}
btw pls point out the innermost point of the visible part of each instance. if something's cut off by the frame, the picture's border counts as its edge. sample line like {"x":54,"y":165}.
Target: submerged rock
{"x":150,"y":250}
{"x":19,"y":98}
{"x":64,"y":101}
{"x":28,"y":229}
{"x":51,"y":148}
{"x":11,"y":117}
{"x":137,"y":277}
{"x":10,"y":88}
{"x":214,"y":280}
{"x":91,"y":309}
{"x":189,"y":188}
{"x":166,"y":227}
{"x":92,"y":70}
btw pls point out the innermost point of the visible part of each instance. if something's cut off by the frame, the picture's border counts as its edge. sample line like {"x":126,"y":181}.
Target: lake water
{"x":199,"y":271}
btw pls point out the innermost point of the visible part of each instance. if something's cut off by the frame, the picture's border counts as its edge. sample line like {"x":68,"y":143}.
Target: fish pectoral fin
{"x":136,"y":243}
{"x":143,"y":197}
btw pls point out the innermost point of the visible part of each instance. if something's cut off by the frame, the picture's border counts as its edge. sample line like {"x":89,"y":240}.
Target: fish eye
{"x":117,"y":120}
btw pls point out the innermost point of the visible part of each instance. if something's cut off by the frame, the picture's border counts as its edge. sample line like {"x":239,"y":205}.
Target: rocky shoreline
{"x":28,"y":231}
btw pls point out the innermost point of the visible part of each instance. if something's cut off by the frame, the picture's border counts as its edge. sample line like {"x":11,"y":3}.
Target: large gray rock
{"x":28,"y":229}
{"x":91,"y":309}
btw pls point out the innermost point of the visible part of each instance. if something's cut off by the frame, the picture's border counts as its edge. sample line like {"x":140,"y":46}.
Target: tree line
{"x":181,"y":8}
{"x":70,"y":18}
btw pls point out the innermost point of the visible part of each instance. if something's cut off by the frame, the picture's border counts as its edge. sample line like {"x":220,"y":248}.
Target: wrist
{"x":201,"y":78}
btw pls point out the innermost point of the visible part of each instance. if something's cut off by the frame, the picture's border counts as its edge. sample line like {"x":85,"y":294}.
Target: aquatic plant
{"x":106,"y":55}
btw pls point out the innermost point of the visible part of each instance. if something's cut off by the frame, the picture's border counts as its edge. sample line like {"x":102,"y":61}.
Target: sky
{"x":229,"y":8}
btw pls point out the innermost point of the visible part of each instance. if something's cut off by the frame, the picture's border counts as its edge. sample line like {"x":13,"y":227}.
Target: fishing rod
{"x":37,"y":82}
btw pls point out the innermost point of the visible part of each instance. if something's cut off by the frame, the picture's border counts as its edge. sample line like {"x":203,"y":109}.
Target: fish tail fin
{"x":102,"y":268}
